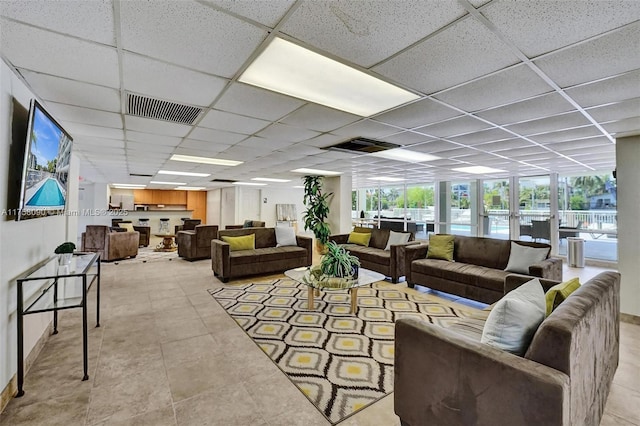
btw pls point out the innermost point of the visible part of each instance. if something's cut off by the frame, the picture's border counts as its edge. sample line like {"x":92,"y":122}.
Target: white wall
{"x":248,"y":204}
{"x":213,"y":206}
{"x":340,"y":204}
{"x":227,"y":207}
{"x":27,"y":242}
{"x":281,"y":196}
{"x":628,"y":181}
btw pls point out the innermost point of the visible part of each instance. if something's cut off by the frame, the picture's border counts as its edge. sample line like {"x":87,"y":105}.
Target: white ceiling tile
{"x":537,"y":27}
{"x":93,"y":141}
{"x":97,"y":131}
{"x":617,"y":111}
{"x":498,"y":89}
{"x":209,"y":146}
{"x":565,"y":135}
{"x":584,"y":144}
{"x":367,"y":32}
{"x":214,"y":41}
{"x":406,"y":138}
{"x":434,"y":146}
{"x":147,"y":155}
{"x":254,"y":102}
{"x":287,"y":133}
{"x":463,"y":51}
{"x":503,"y":145}
{"x":550,"y":124}
{"x":153,"y":139}
{"x":244,"y":153}
{"x":50,"y":53}
{"x":320,"y":118}
{"x":84,"y":115}
{"x":264,"y":143}
{"x":366,"y":128}
{"x":417,"y":114}
{"x":456,"y":126}
{"x":160,"y":127}
{"x":148,"y":147}
{"x":268,"y":13}
{"x":623,"y":126}
{"x":169,"y":82}
{"x":540,"y":106}
{"x":602,"y":57}
{"x":482,"y":136}
{"x":73,"y":92}
{"x":227,"y":138}
{"x":92,"y":20}
{"x":226,"y":121}
{"x":614,"y":89}
{"x":324,"y":140}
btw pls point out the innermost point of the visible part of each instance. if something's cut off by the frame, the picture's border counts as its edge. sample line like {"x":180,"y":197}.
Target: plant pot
{"x":321,"y":248}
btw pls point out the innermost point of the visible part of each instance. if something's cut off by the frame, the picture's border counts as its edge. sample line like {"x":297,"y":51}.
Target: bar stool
{"x":164,"y":225}
{"x":143,"y":221}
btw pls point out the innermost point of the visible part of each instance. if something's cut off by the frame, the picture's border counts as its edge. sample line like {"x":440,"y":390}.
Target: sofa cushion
{"x":440,"y":247}
{"x":269,"y":254}
{"x":521,"y":257}
{"x":359,"y":238}
{"x":285,"y":236}
{"x":515,"y":318}
{"x":397,"y":238}
{"x":559,"y":293}
{"x":247,"y":224}
{"x":128,"y":226}
{"x":369,"y":254}
{"x":379,"y":238}
{"x":245,"y":242}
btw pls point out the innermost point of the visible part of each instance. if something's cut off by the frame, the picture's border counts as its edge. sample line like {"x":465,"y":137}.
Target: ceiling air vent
{"x":223,"y":180}
{"x":362,"y":146}
{"x":140,"y":175}
{"x":158,"y":109}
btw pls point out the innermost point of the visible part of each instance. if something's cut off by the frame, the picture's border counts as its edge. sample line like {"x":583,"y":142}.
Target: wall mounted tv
{"x":45,"y":170}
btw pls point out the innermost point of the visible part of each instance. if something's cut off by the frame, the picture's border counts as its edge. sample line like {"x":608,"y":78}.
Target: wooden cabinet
{"x":142,"y":196}
{"x":169,"y":197}
{"x":197,"y":201}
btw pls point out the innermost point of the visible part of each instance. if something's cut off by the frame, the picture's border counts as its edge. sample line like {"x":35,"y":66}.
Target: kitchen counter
{"x":155,"y":215}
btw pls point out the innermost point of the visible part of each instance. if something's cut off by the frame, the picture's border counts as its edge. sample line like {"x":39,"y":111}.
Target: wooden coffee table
{"x":167,"y":243}
{"x":303,"y":276}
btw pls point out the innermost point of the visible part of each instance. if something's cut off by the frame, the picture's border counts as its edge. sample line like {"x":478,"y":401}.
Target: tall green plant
{"x":317,"y":211}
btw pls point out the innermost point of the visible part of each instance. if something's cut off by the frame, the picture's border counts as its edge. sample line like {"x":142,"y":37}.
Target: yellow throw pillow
{"x":246,"y":242}
{"x":559,"y":293}
{"x":440,"y":247}
{"x":359,"y":238}
{"x":127,"y":226}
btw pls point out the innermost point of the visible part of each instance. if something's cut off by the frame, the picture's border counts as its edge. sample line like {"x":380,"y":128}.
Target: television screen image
{"x":46,"y":166}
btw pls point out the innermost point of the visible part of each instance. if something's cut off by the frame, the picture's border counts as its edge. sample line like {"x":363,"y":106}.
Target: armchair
{"x":111,"y":245}
{"x":119,"y":225}
{"x":540,"y":229}
{"x":188,"y":225}
{"x":196,"y":244}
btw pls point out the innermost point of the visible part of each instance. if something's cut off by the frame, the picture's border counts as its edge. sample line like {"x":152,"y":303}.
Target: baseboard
{"x":11,"y":389}
{"x":631,"y":319}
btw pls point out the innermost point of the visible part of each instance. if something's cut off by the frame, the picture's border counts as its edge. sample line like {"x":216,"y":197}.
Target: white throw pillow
{"x":521,"y":257}
{"x":285,"y":236}
{"x":515,"y":318}
{"x":397,"y":238}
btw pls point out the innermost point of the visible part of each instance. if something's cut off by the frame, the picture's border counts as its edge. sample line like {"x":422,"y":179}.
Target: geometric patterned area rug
{"x":341,"y":361}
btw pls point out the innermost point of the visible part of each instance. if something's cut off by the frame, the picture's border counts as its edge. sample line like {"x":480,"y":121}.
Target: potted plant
{"x":338,"y":262}
{"x":64,"y":252}
{"x":317,"y":211}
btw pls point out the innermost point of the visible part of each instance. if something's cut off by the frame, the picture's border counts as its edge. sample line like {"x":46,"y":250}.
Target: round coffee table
{"x":303,"y":276}
{"x":167,"y":243}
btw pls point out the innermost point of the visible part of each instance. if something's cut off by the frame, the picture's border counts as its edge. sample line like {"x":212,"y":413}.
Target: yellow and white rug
{"x":341,"y":361}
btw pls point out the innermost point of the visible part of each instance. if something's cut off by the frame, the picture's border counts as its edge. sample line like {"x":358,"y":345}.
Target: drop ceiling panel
{"x":287,"y":133}
{"x":365,"y":33}
{"x":456,"y":126}
{"x":248,"y":100}
{"x":244,"y":153}
{"x":93,"y":141}
{"x":536,"y":26}
{"x":565,"y":135}
{"x":160,"y":127}
{"x":189,"y":34}
{"x":324,"y":140}
{"x":140,"y":146}
{"x":92,"y":20}
{"x":320,"y":118}
{"x":152,"y":139}
{"x":264,"y":143}
{"x":267,"y":13}
{"x":617,"y":111}
{"x":50,"y":53}
{"x":482,"y":136}
{"x":169,"y":82}
{"x":463,"y":51}
{"x":418,"y":114}
{"x":550,"y":124}
{"x":498,"y":89}
{"x":208,"y":146}
{"x":433,"y":146}
{"x":537,"y":107}
{"x":366,"y":128}
{"x":613,"y":89}
{"x":623,"y":126}
{"x":88,"y":130}
{"x":581,"y":143}
{"x":218,"y":136}
{"x":406,"y":138}
{"x":84,"y":115}
{"x":503,"y":145}
{"x":221,"y":120}
{"x":602,"y":57}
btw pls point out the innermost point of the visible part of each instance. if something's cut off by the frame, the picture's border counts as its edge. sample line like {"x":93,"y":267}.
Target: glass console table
{"x":49,"y":287}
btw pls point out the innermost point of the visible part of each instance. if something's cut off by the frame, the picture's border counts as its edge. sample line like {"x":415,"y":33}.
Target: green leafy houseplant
{"x":66,"y":247}
{"x":338,"y":262}
{"x":317,"y":211}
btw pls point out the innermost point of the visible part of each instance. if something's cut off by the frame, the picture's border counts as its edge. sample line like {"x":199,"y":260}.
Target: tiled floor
{"x":168,"y":354}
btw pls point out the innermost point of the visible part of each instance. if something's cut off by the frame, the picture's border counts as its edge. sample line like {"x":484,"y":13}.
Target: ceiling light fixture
{"x":177,"y":173}
{"x":271,"y":180}
{"x":159,"y":182}
{"x":316,"y":172}
{"x":387,"y":179}
{"x":205,"y":160}
{"x":285,"y":67}
{"x":407,"y":155}
{"x":191,"y":188}
{"x":478,"y":170}
{"x":249,"y":183}
{"x":127,"y":185}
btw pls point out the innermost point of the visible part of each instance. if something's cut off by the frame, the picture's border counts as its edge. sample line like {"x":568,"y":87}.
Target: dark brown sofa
{"x":444,"y":376}
{"x":111,"y":245}
{"x":254,"y":224}
{"x":374,"y":257}
{"x":196,"y":244}
{"x":265,"y":258}
{"x":478,"y":269}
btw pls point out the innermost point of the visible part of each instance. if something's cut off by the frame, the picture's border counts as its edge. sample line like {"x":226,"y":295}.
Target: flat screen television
{"x":45,"y":172}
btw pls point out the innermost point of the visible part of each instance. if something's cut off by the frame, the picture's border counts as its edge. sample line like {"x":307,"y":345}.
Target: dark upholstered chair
{"x":196,"y":244}
{"x":110,"y":244}
{"x":540,"y":229}
{"x":188,"y":225}
{"x":254,"y":224}
{"x":145,"y":231}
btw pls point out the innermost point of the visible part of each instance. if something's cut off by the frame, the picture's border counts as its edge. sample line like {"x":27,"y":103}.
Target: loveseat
{"x":195,"y":244}
{"x":374,"y":256}
{"x":112,"y":245}
{"x":264,"y":258}
{"x":247,"y":224}
{"x":446,"y":376}
{"x":478,"y":270}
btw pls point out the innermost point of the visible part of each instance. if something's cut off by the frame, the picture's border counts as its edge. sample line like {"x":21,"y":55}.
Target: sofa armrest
{"x":411,"y":253}
{"x":220,"y":259}
{"x":339,"y":238}
{"x":307,"y":244}
{"x":396,"y":261}
{"x":234,"y":226}
{"x":513,"y":281}
{"x":550,"y":269}
{"x":442,"y":377}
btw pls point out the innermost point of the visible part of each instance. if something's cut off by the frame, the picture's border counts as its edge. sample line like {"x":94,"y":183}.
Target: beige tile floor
{"x":168,"y":354}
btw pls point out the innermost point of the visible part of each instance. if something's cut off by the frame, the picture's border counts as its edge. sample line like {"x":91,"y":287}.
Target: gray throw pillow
{"x":397,"y":238}
{"x":285,"y":236}
{"x":521,"y":257}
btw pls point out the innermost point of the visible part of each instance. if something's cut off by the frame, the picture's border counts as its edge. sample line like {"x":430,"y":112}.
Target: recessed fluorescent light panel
{"x":127,"y":185}
{"x":271,"y":180}
{"x":386,"y":179}
{"x":177,"y":173}
{"x":478,"y":170}
{"x":158,"y":182}
{"x":285,"y":67}
{"x":249,"y":183}
{"x":316,"y":172}
{"x":205,"y":160}
{"x":409,"y":156}
{"x":191,"y":188}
